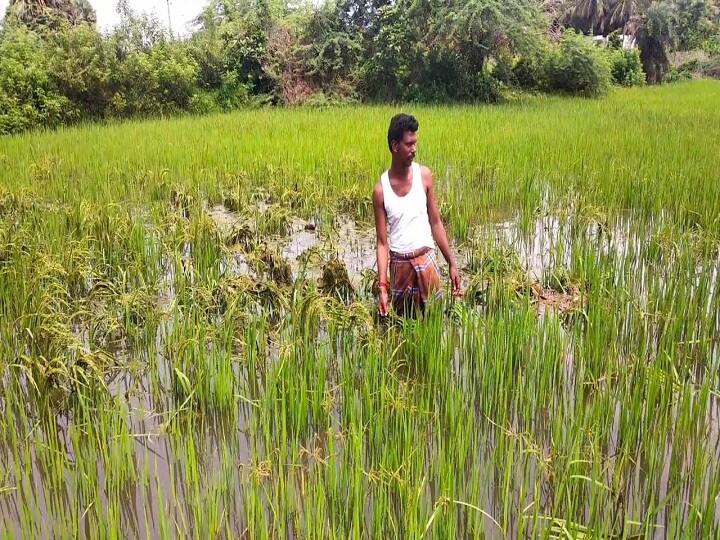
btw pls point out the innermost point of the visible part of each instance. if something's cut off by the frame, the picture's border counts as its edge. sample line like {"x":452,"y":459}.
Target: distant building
{"x":627,"y":41}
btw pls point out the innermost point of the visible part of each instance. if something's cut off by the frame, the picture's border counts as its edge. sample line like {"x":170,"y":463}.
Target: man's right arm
{"x":382,"y":248}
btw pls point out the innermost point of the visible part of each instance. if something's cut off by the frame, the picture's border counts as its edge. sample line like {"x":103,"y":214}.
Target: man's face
{"x":405,"y":149}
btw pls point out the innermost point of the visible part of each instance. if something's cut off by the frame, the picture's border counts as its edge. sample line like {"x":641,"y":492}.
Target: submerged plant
{"x":335,"y":280}
{"x":272,"y":265}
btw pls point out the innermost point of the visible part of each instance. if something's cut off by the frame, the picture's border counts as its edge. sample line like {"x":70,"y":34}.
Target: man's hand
{"x":455,"y":280}
{"x":383,"y":302}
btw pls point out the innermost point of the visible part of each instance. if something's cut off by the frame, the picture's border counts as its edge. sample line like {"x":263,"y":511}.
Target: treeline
{"x":56,"y":68}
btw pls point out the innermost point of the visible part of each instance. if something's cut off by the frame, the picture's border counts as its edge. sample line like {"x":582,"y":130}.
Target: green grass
{"x":147,"y":389}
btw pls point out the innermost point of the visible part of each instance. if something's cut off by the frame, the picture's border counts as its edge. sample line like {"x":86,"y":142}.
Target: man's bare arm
{"x":382,"y":246}
{"x":438,"y":229}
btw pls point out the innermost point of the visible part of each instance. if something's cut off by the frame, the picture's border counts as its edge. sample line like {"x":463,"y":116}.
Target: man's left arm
{"x":438,"y":230}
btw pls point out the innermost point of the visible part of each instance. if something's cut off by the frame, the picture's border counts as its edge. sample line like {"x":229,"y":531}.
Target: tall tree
{"x":475,"y":29}
{"x":360,"y":15}
{"x":50,"y":13}
{"x":235,"y":33}
{"x":652,"y":22}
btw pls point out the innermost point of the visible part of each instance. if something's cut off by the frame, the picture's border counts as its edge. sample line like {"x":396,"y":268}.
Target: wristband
{"x":383,"y":285}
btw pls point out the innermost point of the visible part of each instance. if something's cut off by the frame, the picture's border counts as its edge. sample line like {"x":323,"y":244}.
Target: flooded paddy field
{"x":190,"y":347}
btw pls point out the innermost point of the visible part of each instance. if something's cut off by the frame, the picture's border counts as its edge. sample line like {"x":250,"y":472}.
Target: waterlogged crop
{"x":189,"y":344}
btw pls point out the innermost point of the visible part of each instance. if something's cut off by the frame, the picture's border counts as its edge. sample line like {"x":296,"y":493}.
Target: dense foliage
{"x":56,"y":68}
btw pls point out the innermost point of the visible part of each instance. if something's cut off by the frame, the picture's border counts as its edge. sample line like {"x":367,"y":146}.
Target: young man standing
{"x":404,"y":202}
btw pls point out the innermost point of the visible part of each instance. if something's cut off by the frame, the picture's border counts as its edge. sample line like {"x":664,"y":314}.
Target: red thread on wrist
{"x":382,"y":285}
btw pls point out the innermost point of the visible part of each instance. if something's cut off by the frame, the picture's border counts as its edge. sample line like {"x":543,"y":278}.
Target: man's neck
{"x":399,"y":170}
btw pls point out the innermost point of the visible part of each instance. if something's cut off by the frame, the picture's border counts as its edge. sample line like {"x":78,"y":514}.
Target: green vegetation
{"x":56,"y":69}
{"x":168,"y":369}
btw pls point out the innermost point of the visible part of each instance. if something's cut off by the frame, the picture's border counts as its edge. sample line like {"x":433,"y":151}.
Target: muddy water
{"x":543,"y":246}
{"x":158,"y":490}
{"x":546,"y":245}
{"x":307,"y":247}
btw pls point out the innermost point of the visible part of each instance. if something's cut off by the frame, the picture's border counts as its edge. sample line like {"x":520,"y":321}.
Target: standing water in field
{"x":195,"y":353}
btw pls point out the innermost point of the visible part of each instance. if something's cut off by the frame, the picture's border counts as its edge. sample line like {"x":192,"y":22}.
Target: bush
{"x":79,"y":66}
{"x":160,"y":81}
{"x":503,"y":69}
{"x":529,"y":72}
{"x":232,"y":93}
{"x":712,"y":45}
{"x":578,"y":67}
{"x":203,"y":102}
{"x":710,"y":67}
{"x":626,"y":67}
{"x":681,"y":73}
{"x":322,"y":100}
{"x":704,"y":66}
{"x":438,"y":77}
{"x":484,"y":88}
{"x":28,"y":95}
{"x":426,"y":92}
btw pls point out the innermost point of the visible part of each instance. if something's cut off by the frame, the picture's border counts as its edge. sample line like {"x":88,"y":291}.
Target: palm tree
{"x":606,"y":16}
{"x":603,"y":16}
{"x":594,"y":12}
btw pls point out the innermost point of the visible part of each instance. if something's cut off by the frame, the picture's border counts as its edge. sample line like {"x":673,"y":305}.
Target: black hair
{"x":399,"y":124}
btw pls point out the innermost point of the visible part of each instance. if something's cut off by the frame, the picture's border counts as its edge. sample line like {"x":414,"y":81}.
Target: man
{"x":404,"y":202}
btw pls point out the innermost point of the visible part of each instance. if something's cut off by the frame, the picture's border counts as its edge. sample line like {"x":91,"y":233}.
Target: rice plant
{"x":189,"y":347}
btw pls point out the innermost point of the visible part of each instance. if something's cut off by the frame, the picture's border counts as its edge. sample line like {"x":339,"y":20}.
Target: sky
{"x":182,"y":12}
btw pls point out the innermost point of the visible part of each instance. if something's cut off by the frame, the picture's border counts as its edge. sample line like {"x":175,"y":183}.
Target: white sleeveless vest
{"x":407,"y":216}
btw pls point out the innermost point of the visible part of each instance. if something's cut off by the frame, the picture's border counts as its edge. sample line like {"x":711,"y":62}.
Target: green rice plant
{"x":165,"y":372}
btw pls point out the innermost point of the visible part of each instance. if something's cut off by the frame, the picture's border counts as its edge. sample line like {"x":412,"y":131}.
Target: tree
{"x":239,"y":31}
{"x":80,"y":65}
{"x":694,"y":23}
{"x":51,"y":14}
{"x":652,"y":22}
{"x":360,"y":17}
{"x":28,"y":95}
{"x":434,"y":50}
{"x":135,"y":32}
{"x":477,"y":28}
{"x":328,"y":53}
{"x":392,"y":55}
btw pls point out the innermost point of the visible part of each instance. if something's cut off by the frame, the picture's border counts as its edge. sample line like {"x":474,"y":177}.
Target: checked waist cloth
{"x":414,"y":279}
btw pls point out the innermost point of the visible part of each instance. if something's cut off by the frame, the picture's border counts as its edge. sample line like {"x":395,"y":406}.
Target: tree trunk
{"x":653,"y":56}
